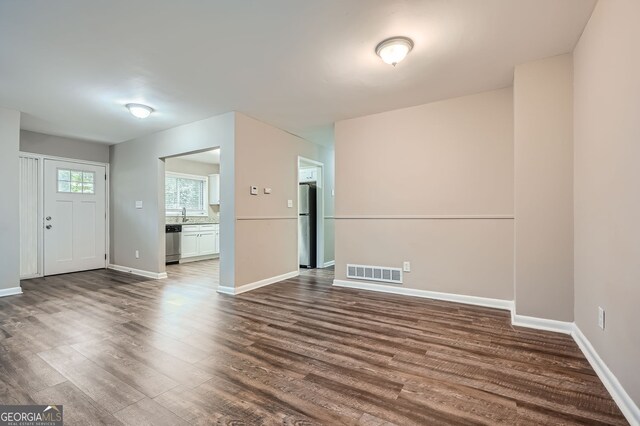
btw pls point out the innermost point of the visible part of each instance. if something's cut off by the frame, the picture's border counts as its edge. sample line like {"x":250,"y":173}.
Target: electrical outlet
{"x":406,"y":266}
{"x":253,"y":190}
{"x":137,"y":254}
{"x":601,"y":317}
{"x":289,"y":203}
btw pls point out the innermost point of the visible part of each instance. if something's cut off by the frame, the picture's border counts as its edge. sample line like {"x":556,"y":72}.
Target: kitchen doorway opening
{"x":311,"y":218}
{"x":190,"y":198}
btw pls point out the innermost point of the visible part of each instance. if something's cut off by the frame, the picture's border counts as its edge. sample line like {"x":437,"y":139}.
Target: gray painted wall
{"x":9,"y":208}
{"x":137,"y":173}
{"x":56,"y":146}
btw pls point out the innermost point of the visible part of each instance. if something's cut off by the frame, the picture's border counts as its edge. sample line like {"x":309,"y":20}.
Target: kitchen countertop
{"x":194,"y":223}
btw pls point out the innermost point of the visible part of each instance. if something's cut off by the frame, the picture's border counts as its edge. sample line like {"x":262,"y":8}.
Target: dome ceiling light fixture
{"x":394,"y":49}
{"x":139,"y":110}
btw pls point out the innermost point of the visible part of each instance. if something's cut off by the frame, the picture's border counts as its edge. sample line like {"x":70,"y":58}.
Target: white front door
{"x":74,"y":217}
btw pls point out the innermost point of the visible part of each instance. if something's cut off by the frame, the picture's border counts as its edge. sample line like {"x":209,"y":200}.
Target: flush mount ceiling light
{"x":139,"y":110}
{"x":394,"y":49}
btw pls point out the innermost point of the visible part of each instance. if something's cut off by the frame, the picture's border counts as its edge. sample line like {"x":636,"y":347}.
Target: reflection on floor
{"x":204,"y":271}
{"x":114,"y":347}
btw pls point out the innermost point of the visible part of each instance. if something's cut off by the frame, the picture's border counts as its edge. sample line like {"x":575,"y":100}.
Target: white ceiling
{"x":209,"y":157}
{"x":71,"y":65}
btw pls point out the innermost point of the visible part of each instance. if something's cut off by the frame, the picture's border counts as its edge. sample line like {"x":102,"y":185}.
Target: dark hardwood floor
{"x":115,"y":348}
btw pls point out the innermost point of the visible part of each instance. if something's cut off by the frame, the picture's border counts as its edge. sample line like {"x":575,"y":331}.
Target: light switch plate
{"x":406,"y":266}
{"x":138,"y":204}
{"x":254,"y":190}
{"x":290,"y":203}
{"x":601,"y":317}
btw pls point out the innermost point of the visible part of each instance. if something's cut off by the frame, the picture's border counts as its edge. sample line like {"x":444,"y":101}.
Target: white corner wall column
{"x":543,"y":188}
{"x":9,"y":208}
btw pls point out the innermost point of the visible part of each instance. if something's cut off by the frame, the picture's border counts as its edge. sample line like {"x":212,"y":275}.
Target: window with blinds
{"x":185,"y":191}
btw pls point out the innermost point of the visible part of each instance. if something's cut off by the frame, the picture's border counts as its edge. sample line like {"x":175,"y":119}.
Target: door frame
{"x":41,"y":159}
{"x":320,"y":213}
{"x":162,"y":211}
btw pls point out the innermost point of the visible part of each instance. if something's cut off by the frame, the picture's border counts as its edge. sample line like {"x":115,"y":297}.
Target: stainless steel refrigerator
{"x":307,"y":225}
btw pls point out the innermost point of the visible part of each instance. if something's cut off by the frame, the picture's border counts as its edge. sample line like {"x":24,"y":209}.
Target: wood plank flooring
{"x":119,"y":349}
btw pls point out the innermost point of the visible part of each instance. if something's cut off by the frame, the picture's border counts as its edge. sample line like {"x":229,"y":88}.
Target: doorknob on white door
{"x":48,"y":217}
{"x":48,"y":226}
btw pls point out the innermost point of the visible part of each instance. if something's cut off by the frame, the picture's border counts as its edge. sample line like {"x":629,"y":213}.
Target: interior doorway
{"x":310,"y":213}
{"x":191,"y":194}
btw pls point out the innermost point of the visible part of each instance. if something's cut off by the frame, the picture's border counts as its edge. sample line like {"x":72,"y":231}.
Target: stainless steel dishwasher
{"x":173,"y":235}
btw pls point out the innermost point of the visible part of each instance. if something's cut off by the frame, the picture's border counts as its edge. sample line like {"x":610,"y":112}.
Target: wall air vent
{"x":374,"y":273}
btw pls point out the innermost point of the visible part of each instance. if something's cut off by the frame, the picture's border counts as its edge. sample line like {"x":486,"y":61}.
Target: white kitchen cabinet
{"x":214,"y":189}
{"x":189,"y":246}
{"x":207,"y":243}
{"x":200,"y":240}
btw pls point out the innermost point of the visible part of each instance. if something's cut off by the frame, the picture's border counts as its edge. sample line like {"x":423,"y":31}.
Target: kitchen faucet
{"x":184,"y":214}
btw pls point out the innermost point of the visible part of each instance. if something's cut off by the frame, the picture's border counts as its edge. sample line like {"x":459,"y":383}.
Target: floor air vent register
{"x":374,"y":273}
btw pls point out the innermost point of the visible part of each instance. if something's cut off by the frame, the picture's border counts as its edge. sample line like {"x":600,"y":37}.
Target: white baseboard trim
{"x":541,"y":323}
{"x":234,"y":291}
{"x":231,"y":291}
{"x":12,"y":291}
{"x":198,"y":258}
{"x":140,"y":272}
{"x":330,"y":263}
{"x":450,"y":297}
{"x":30,"y":276}
{"x":630,"y":410}
{"x":619,"y":395}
